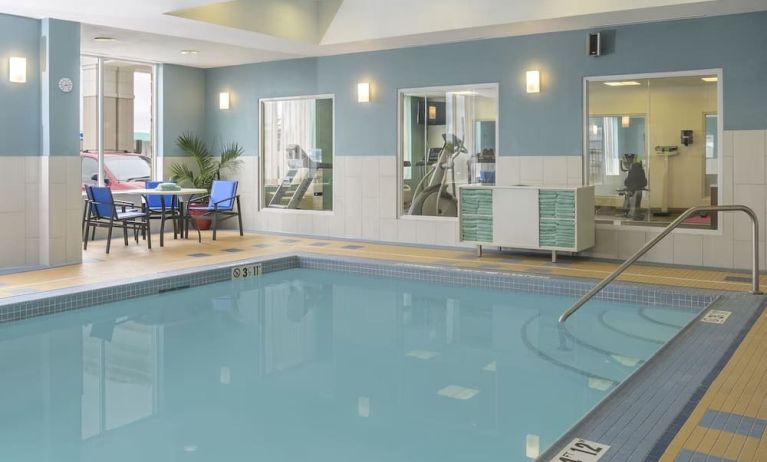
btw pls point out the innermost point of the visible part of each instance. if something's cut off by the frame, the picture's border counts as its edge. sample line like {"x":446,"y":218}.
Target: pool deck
{"x":728,"y":423}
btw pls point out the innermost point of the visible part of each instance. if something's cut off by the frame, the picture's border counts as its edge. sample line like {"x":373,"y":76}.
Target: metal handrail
{"x":712,"y":208}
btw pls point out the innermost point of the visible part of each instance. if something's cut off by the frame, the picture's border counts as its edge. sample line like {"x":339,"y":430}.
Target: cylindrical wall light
{"x":625,"y":122}
{"x":17,"y":69}
{"x":363,"y":92}
{"x":223,"y":100}
{"x":533,"y":81}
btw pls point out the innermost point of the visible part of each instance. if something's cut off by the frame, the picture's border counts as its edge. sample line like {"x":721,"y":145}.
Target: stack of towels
{"x":557,"y":212}
{"x":557,"y":233}
{"x":565,"y":204}
{"x":548,"y":233}
{"x":547,"y":204}
{"x":477,"y":215}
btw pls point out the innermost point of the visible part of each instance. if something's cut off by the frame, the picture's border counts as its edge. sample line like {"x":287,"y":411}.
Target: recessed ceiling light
{"x":625,"y":83}
{"x":189,"y":52}
{"x":104,"y":39}
{"x":710,"y":79}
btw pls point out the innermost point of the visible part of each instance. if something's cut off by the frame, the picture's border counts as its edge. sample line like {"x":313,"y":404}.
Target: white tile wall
{"x":41,"y":209}
{"x":366,"y":195}
{"x":18,"y":211}
{"x":60,"y":230}
{"x":365,"y":206}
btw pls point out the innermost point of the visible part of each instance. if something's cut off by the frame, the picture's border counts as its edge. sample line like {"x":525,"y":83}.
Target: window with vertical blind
{"x":297,"y":153}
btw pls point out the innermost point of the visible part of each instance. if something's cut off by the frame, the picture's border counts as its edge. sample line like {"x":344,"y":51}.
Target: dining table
{"x":182,"y":193}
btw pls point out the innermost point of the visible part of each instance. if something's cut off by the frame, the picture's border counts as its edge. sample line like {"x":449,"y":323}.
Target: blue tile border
{"x":690,"y":456}
{"x":733,"y":423}
{"x":27,"y":305}
{"x":640,"y":418}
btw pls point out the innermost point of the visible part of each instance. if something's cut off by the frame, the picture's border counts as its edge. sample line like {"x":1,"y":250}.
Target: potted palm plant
{"x":204,"y":168}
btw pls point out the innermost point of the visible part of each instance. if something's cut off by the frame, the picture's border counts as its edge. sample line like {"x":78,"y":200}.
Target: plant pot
{"x":200,"y":224}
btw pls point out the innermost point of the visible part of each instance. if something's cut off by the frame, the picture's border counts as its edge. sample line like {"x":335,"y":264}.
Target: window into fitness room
{"x":652,"y":148}
{"x":297,"y":153}
{"x":448,"y":138}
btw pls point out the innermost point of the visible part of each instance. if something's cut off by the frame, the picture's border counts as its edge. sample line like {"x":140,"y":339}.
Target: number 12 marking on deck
{"x":580,"y":450}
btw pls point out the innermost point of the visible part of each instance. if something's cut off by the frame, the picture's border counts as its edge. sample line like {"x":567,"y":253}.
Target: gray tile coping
{"x":636,"y":419}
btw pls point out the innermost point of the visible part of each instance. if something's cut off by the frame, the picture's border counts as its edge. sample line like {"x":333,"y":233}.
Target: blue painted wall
{"x":61,"y":111}
{"x":548,"y":123}
{"x":181,"y":104}
{"x":246,"y":84}
{"x":20,"y":102}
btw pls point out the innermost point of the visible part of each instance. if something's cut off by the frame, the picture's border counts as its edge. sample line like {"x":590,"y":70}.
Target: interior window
{"x":297,"y":147}
{"x":449,"y":137}
{"x":127,"y":122}
{"x":90,"y":170}
{"x":652,"y":149}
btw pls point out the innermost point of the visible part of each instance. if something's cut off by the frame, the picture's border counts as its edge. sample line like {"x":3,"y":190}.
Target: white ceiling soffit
{"x":146,"y":31}
{"x":167,"y":49}
{"x":302,"y":20}
{"x":374,"y":19}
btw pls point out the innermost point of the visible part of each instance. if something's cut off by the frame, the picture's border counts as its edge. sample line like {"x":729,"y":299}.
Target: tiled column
{"x":60,"y":199}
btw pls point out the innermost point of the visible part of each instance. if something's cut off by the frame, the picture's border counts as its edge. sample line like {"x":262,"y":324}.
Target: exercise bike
{"x":431,"y":197}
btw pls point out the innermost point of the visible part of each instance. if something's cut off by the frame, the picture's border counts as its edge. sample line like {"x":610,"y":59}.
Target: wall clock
{"x":65,"y":84}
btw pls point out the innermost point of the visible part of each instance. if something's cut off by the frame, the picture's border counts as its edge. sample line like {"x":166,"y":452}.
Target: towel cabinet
{"x":558,"y":219}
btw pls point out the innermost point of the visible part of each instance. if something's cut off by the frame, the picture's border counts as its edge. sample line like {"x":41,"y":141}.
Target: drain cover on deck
{"x":716,"y":316}
{"x":580,"y":450}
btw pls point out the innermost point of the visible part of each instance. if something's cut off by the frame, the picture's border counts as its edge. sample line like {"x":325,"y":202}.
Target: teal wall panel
{"x":61,"y":111}
{"x":181,"y":104}
{"x":547,"y":123}
{"x":247,"y":84}
{"x":20,"y":102}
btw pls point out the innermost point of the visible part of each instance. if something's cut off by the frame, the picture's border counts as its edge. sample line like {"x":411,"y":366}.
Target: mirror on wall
{"x":448,"y":137}
{"x":297,"y":153}
{"x":652,"y":148}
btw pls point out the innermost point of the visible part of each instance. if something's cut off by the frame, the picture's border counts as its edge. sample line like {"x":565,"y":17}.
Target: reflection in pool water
{"x":310,"y":365}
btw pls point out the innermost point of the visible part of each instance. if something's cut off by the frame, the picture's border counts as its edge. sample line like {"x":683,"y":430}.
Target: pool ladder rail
{"x":666,"y":231}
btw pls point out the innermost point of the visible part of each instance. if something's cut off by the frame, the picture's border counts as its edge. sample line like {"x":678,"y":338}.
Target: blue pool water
{"x":306,"y":365}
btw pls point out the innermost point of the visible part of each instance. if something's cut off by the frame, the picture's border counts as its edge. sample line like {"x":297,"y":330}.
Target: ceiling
{"x":245,"y":31}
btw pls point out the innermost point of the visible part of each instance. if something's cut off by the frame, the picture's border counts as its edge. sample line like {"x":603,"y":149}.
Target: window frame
{"x":718,"y":72}
{"x":400,"y":174}
{"x":156,"y":164}
{"x":262,"y":158}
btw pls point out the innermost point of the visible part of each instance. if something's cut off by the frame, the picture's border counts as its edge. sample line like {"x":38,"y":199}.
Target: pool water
{"x":313,"y":365}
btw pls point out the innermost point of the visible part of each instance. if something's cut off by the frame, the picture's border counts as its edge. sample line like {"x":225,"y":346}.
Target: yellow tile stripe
{"x":740,"y":388}
{"x":136,"y":260}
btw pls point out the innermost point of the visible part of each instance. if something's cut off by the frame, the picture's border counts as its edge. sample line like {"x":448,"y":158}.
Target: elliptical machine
{"x":431,"y":197}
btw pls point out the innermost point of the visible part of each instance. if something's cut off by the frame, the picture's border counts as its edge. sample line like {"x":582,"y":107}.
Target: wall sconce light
{"x":18,"y":70}
{"x":223,"y":100}
{"x":595,"y":129}
{"x":363,"y":92}
{"x":625,"y":122}
{"x":533,"y":81}
{"x":432,"y":112}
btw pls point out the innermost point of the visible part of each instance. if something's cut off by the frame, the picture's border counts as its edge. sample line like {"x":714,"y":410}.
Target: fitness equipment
{"x":635,"y":183}
{"x":666,"y":152}
{"x":302,"y":171}
{"x":431,"y":197}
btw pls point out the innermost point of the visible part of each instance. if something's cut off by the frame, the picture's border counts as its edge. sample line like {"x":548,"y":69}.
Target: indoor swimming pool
{"x":316,"y":365}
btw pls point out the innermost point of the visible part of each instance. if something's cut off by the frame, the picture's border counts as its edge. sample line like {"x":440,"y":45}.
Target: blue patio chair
{"x":223,"y":203}
{"x":86,"y":209}
{"x":102,"y":212}
{"x":163,"y":208}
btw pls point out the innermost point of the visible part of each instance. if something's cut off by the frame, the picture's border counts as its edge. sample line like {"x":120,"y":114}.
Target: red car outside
{"x":122,"y":170}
